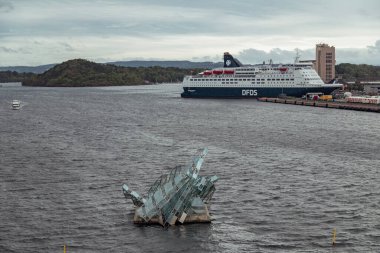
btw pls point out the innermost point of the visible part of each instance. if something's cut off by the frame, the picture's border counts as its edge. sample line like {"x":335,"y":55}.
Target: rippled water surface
{"x":288,"y":174}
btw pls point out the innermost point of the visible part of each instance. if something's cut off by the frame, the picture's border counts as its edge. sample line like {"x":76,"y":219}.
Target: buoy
{"x":334,"y":237}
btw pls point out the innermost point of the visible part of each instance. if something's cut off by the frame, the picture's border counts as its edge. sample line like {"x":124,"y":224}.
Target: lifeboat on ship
{"x":207,"y":72}
{"x":228,"y":71}
{"x":217,"y":71}
{"x":283,"y":69}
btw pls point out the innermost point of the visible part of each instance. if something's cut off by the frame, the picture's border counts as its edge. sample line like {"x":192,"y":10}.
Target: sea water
{"x":288,"y":175}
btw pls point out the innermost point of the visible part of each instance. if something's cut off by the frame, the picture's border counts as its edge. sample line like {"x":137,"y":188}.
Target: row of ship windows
{"x":207,"y":84}
{"x":273,"y":79}
{"x":308,"y":73}
{"x":245,"y":75}
{"x":255,"y":72}
{"x":280,"y":76}
{"x":237,"y":82}
{"x":268,"y":84}
{"x":312,"y":78}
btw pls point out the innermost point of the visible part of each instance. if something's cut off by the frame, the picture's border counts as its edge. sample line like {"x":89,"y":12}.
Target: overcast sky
{"x":43,"y":32}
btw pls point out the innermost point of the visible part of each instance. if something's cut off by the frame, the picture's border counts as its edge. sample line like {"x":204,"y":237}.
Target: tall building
{"x":325,"y":62}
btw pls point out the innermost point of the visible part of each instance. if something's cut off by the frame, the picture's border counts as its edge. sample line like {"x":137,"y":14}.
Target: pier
{"x":324,"y":104}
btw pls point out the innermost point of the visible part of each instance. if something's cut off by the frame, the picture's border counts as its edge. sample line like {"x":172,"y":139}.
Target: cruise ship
{"x":236,"y":80}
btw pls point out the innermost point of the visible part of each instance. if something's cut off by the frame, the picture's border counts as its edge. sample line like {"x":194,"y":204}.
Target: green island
{"x":81,"y":73}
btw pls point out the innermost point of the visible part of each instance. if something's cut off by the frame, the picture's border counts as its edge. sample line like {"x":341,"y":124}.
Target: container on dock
{"x":364,"y":100}
{"x":326,"y":97}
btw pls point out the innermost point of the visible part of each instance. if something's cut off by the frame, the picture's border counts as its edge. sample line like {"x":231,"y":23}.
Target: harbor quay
{"x":324,"y":104}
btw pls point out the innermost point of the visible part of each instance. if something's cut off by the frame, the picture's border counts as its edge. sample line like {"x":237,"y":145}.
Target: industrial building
{"x":372,"y":88}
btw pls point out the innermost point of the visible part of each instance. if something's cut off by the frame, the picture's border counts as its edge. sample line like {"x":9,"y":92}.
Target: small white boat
{"x":16,"y":104}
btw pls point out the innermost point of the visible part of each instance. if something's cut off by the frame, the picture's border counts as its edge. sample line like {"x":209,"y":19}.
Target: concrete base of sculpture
{"x":201,"y":215}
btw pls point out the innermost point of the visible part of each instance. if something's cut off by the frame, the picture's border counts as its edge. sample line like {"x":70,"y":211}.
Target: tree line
{"x":357,"y":72}
{"x":13,"y":76}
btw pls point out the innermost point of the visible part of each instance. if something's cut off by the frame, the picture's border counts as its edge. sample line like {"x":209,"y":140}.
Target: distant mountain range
{"x":28,"y":69}
{"x":165,"y":64}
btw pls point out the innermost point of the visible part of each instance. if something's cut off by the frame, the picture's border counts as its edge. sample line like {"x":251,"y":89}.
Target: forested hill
{"x":79,"y":73}
{"x":358,"y":72}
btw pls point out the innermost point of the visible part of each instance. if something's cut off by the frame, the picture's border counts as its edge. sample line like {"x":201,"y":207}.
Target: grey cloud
{"x":14,"y":51}
{"x":6,"y":6}
{"x":368,"y":55}
{"x":374,"y":49}
{"x":8,"y":50}
{"x":67,"y":46}
{"x":153,"y":22}
{"x":277,"y":55}
{"x":180,"y":17}
{"x":215,"y":58}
